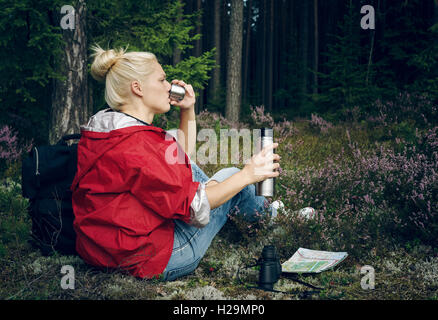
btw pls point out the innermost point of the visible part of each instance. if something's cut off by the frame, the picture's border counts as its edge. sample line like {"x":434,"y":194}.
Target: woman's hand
{"x":261,"y":166}
{"x":189,"y":99}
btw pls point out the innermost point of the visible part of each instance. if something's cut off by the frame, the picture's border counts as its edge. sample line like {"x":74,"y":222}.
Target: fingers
{"x":266,"y":157}
{"x":272,"y":166}
{"x":269,"y":147}
{"x":178,"y":82}
{"x":274,"y":174}
{"x":272,"y":157}
{"x":262,"y":164}
{"x":181,"y":83}
{"x":267,"y":169}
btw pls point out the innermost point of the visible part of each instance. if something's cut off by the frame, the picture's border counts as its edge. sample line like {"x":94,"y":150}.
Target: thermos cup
{"x":177,"y":92}
{"x":266,"y":187}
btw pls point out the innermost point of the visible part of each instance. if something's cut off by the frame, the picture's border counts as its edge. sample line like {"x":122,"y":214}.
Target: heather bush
{"x":11,"y":151}
{"x":284,"y":129}
{"x":8,"y":149}
{"x":259,"y":118}
{"x":366,"y":197}
{"x":401,"y":117}
{"x":214,"y":120}
{"x":308,"y":147}
{"x":367,"y":193}
{"x":319,"y":124}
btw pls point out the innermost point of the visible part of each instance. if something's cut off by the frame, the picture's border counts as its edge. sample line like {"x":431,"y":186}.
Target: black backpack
{"x":47,"y":174}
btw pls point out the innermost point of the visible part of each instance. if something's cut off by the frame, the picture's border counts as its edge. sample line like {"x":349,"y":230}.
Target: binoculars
{"x":270,"y":271}
{"x":270,"y":268}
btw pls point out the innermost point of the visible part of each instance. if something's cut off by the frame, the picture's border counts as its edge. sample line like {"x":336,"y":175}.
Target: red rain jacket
{"x":125,"y":197}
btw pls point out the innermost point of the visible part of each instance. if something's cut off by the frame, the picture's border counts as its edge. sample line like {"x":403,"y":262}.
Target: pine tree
{"x":30,"y":42}
{"x":345,"y":85}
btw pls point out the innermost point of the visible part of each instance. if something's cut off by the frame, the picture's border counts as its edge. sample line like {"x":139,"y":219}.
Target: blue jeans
{"x":191,"y":243}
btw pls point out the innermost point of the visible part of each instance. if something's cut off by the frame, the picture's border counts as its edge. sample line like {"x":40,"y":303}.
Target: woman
{"x":135,"y":210}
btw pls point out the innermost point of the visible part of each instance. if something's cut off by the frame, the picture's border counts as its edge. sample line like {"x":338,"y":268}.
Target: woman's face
{"x":156,"y":91}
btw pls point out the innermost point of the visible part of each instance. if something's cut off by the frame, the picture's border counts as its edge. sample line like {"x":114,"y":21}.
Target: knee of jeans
{"x":250,"y":188}
{"x":231,"y":170}
{"x":249,"y":191}
{"x":224,"y":174}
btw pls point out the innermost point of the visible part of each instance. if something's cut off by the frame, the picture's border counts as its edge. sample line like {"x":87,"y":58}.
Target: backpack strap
{"x":64,"y":139}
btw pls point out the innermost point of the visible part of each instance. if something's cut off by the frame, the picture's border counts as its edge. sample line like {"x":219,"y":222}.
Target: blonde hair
{"x":118,"y":69}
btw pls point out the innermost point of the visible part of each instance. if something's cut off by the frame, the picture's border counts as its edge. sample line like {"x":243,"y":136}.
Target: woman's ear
{"x":136,"y":88}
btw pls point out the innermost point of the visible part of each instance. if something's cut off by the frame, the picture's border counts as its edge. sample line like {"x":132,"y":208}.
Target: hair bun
{"x":103,"y":61}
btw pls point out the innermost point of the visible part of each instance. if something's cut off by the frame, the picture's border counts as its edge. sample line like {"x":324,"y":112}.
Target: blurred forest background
{"x":294,"y":58}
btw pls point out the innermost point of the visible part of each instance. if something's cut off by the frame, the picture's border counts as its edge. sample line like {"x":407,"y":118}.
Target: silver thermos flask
{"x":266,"y":187}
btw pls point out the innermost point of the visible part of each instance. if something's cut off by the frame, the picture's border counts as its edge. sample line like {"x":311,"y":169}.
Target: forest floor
{"x":400,"y":274}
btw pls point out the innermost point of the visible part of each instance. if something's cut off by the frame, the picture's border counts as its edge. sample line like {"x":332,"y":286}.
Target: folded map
{"x":312,"y":261}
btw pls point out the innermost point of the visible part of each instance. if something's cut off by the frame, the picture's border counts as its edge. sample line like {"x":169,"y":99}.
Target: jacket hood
{"x":108,"y":120}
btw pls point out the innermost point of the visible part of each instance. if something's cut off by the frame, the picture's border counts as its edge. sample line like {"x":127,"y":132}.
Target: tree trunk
{"x":234,"y":66}
{"x":70,"y":101}
{"x":316,"y":47}
{"x":247,"y":51}
{"x":283,"y":45}
{"x":293,"y":48}
{"x":278,"y":7}
{"x":270,"y":58}
{"x":259,"y":55}
{"x":263,"y":52}
{"x":198,"y":45}
{"x":176,"y":50}
{"x":304,"y":46}
{"x":436,"y":12}
{"x":217,"y":44}
{"x":435,"y":20}
{"x":225,"y":33}
{"x":370,"y":57}
{"x":198,"y":52}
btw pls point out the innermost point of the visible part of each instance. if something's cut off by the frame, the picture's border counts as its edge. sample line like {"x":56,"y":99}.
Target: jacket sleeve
{"x":166,"y":189}
{"x":200,"y":208}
